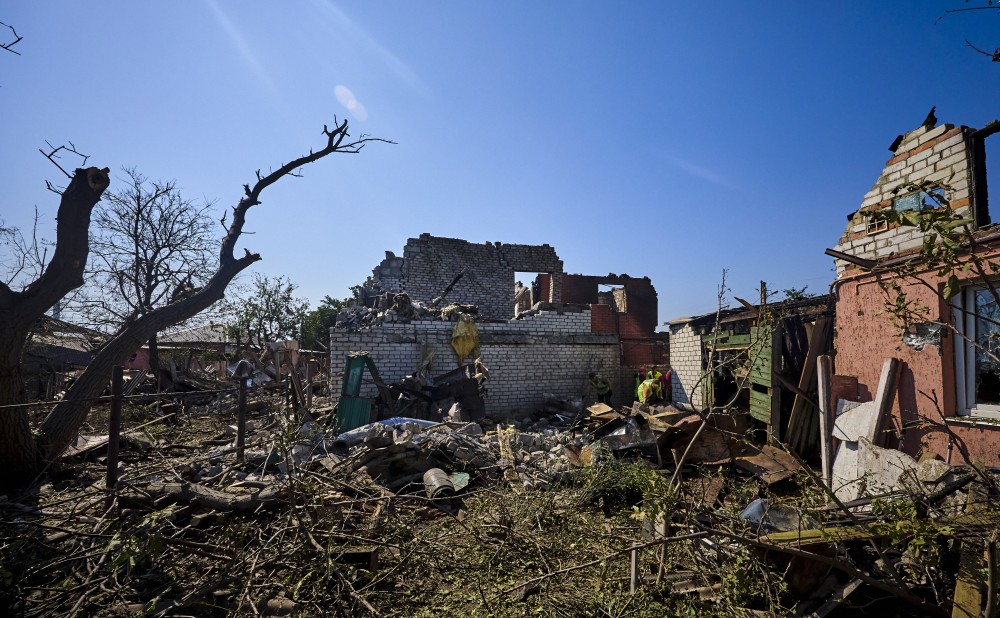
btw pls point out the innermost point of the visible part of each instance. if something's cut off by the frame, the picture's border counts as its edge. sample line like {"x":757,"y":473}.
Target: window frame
{"x":965,"y":356}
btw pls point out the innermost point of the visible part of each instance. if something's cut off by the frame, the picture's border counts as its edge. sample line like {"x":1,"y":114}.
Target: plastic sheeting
{"x":465,"y":337}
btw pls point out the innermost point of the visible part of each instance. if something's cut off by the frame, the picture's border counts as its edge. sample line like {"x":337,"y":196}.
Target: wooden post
{"x":824,"y":375}
{"x":884,"y":398}
{"x":241,"y":418}
{"x":634,"y":572}
{"x":114,"y":433}
{"x":309,"y":385}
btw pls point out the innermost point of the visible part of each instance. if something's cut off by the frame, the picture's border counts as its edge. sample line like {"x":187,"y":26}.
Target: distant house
{"x":202,"y":348}
{"x":56,"y":351}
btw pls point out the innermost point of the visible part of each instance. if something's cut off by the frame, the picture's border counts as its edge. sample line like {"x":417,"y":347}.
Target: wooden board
{"x":961,"y":526}
{"x":765,"y":397}
{"x":771,"y":464}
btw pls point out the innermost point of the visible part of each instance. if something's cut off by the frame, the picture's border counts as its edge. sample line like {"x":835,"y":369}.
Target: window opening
{"x":612,"y":295}
{"x":876,"y":225}
{"x":924,"y":199}
{"x":529,"y":288}
{"x":977,"y":355}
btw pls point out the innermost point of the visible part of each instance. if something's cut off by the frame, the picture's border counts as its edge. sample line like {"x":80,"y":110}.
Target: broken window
{"x":924,"y":199}
{"x":977,"y":353}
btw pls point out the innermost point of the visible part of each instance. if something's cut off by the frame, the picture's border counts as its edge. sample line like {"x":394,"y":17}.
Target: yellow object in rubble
{"x":464,"y":337}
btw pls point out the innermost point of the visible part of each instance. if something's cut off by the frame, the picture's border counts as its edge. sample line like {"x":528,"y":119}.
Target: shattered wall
{"x":950,"y":159}
{"x":632,"y":295}
{"x":430,"y":263}
{"x":551,"y":352}
{"x":939,"y":156}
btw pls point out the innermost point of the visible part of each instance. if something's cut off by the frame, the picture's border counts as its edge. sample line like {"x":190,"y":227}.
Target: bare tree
{"x":22,"y":453}
{"x":150,"y":247}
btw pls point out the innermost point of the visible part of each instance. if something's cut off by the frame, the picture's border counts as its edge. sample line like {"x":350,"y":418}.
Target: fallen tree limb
{"x":902,"y":593}
{"x":541,"y":578}
{"x":203,"y":497}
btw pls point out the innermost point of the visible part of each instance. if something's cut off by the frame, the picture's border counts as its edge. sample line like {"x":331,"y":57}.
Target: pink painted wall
{"x":926,"y":388}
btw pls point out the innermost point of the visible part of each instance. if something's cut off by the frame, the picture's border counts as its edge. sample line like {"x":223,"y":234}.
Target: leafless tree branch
{"x":9,"y":46}
{"x":53,"y":154}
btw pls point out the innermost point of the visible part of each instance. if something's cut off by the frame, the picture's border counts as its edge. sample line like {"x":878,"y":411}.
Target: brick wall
{"x":551,"y":352}
{"x":686,"y":361}
{"x":430,"y":263}
{"x":940,"y":155}
{"x":633,"y":295}
{"x":603,"y":319}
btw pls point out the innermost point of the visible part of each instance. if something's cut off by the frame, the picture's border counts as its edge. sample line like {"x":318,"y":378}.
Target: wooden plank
{"x":765,"y":359}
{"x":771,"y":464}
{"x":958,"y":526}
{"x":968,"y":599}
{"x":883,"y":399}
{"x":797,"y":427}
{"x":838,"y":597}
{"x":824,"y":373}
{"x":760,"y":406}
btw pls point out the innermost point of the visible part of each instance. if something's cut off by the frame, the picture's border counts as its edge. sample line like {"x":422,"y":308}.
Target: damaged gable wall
{"x":951,"y":160}
{"x":429,"y":263}
{"x":939,"y":156}
{"x":548,"y":349}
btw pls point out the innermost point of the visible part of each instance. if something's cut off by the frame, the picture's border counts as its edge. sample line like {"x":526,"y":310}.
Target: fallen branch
{"x":203,"y":497}
{"x":541,"y":578}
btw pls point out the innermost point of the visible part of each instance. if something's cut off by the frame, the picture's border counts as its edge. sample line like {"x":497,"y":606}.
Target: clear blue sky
{"x":666,"y":139}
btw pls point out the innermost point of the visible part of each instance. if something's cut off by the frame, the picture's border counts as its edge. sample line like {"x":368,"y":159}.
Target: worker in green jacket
{"x":603,"y":388}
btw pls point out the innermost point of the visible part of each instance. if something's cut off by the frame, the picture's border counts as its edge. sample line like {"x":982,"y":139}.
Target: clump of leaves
{"x":908,"y":530}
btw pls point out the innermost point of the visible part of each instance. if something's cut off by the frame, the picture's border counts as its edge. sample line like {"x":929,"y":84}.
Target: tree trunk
{"x":18,"y":454}
{"x":154,"y":358}
{"x":62,"y":424}
{"x":19,"y":457}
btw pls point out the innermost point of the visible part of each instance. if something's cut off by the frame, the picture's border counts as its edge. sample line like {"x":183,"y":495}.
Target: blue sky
{"x":665,"y":139}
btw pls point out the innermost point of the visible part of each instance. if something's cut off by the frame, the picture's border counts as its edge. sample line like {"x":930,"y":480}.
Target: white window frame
{"x":965,"y":357}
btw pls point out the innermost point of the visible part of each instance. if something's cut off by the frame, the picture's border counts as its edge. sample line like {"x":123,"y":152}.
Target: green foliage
{"x":268,"y":311}
{"x":620,"y":485}
{"x":793,"y":294}
{"x":318,"y":322}
{"x":948,"y":249}
{"x":908,"y":529}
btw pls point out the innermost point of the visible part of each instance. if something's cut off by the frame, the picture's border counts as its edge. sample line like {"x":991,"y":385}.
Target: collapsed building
{"x":538,"y":339}
{"x":946,"y":331}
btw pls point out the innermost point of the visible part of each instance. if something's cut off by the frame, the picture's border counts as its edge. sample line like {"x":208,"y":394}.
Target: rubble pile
{"x":650,"y":506}
{"x":389,"y":307}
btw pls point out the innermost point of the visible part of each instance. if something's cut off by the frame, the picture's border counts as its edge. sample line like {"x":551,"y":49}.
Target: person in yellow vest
{"x":658,"y":385}
{"x":647,"y":391}
{"x":603,"y":388}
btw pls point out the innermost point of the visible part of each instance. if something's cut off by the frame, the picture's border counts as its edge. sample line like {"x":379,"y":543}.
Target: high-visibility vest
{"x":647,"y":390}
{"x":601,"y":385}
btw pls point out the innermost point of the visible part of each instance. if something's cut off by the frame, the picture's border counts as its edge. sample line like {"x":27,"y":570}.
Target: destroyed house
{"x":897,"y":298}
{"x":758,"y":359}
{"x":541,"y":338}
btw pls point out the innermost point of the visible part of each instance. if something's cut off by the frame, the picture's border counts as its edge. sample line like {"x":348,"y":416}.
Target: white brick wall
{"x":686,"y":362}
{"x":946,"y":162}
{"x":550,"y":352}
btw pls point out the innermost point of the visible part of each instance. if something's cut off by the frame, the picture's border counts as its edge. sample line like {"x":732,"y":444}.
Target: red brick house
{"x":948,"y":395}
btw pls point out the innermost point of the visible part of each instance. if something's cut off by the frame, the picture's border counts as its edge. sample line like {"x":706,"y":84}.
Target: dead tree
{"x":149,"y":248}
{"x":21,"y":453}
